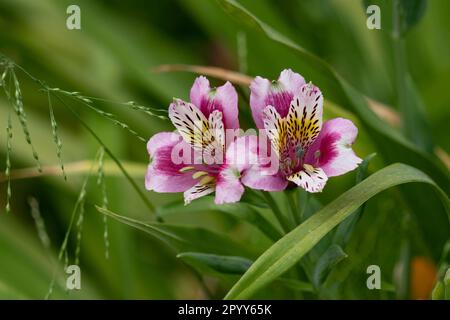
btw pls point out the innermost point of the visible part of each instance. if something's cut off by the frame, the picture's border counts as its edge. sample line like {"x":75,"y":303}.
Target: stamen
{"x":308,"y":167}
{"x":206,"y":180}
{"x":186,"y":169}
{"x":199,"y":174}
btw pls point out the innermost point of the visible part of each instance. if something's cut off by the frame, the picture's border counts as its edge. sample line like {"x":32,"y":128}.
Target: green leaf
{"x":294,"y":284}
{"x":402,"y":277}
{"x":411,"y":11}
{"x":344,"y":230}
{"x":241,"y":211}
{"x":293,"y":246}
{"x":414,"y":121}
{"x":222,"y":264}
{"x":253,"y":198}
{"x":185,"y":238}
{"x":230,"y":268}
{"x":438,"y":292}
{"x":326,"y":262}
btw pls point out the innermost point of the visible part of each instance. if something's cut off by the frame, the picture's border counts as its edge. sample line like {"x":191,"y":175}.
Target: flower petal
{"x":199,"y":91}
{"x":163,"y":175}
{"x":255,"y":163}
{"x":332,"y":150}
{"x":304,"y":120}
{"x":257,"y":178}
{"x":259,"y":91}
{"x":224,"y":99}
{"x":278,"y":94}
{"x":198,"y":131}
{"x":276,"y":130}
{"x":197,"y":191}
{"x":242,"y":153}
{"x":228,"y":188}
{"x":311,"y":179}
{"x":291,"y":81}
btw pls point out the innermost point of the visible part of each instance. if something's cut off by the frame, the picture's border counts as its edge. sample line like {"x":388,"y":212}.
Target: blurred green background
{"x":111,"y":57}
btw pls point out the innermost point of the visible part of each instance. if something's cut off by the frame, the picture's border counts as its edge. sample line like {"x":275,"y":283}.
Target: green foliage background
{"x":111,"y":57}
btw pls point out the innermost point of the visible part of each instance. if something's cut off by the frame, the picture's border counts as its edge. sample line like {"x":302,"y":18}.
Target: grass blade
{"x":241,"y":211}
{"x":292,"y":247}
{"x":186,"y":238}
{"x":344,"y":230}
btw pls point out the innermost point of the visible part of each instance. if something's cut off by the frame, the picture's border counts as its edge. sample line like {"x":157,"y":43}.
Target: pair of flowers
{"x":287,"y":111}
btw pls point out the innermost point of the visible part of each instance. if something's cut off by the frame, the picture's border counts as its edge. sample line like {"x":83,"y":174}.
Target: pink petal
{"x":224,"y":99}
{"x":332,"y":150}
{"x":278,"y":94}
{"x":291,"y":81}
{"x":256,"y":178}
{"x":199,"y":91}
{"x":260,"y":89}
{"x":254,"y":161}
{"x":228,"y":188}
{"x":163,"y":175}
{"x":242,"y":153}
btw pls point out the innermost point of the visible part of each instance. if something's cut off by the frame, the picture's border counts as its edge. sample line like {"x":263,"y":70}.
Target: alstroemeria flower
{"x":290,"y":111}
{"x":213,"y":164}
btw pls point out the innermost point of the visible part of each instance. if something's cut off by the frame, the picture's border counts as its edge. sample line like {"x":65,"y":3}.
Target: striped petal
{"x":311,"y":179}
{"x":276,"y":130}
{"x":205,"y":135}
{"x":304,"y":120}
{"x":197,"y":191}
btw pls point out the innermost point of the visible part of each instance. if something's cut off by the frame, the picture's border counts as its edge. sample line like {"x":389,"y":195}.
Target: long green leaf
{"x":241,"y":211}
{"x":230,"y":268}
{"x":344,"y":230}
{"x":292,"y":247}
{"x":222,"y":264}
{"x":326,"y":262}
{"x":185,"y":238}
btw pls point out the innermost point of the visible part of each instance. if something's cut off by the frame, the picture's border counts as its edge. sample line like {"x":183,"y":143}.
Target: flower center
{"x":292,"y":158}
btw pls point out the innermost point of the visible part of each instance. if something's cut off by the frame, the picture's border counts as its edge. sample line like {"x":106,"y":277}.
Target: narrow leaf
{"x":293,"y":246}
{"x":222,"y":264}
{"x":241,"y":211}
{"x":344,"y":230}
{"x":185,"y":238}
{"x":326,"y":262}
{"x":230,"y":268}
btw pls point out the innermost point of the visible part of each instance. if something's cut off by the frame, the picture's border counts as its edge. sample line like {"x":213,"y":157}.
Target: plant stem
{"x":303,"y":199}
{"x":277,"y":212}
{"x":293,"y":207}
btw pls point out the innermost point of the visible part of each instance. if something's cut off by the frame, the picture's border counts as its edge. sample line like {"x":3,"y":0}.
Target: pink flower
{"x":290,"y":111}
{"x":197,"y":159}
